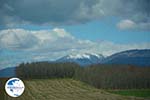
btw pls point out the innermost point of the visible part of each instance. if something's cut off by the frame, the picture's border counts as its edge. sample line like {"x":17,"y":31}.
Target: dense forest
{"x":99,"y":76}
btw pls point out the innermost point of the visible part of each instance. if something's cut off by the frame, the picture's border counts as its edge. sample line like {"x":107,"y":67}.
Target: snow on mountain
{"x":131,"y":57}
{"x":82,"y":59}
{"x":82,"y":56}
{"x":78,"y":56}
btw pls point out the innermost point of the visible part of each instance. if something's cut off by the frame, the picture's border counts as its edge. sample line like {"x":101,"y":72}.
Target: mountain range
{"x":130,"y":57}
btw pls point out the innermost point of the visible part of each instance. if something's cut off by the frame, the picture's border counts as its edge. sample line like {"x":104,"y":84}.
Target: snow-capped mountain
{"x":82,"y":59}
{"x":132,"y":57}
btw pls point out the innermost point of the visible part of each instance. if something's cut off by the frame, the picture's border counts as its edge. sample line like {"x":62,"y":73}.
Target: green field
{"x":63,"y":89}
{"x":134,"y":92}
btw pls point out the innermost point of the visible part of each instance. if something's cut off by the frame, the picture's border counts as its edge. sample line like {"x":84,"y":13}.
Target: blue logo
{"x":14,"y":87}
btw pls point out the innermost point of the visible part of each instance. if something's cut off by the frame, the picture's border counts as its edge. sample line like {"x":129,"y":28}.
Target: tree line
{"x":99,"y":76}
{"x":38,"y":70}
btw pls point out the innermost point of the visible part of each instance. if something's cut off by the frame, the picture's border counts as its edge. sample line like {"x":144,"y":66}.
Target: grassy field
{"x":134,"y":92}
{"x":62,"y":89}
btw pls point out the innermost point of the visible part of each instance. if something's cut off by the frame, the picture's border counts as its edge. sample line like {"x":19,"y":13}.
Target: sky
{"x":45,"y":30}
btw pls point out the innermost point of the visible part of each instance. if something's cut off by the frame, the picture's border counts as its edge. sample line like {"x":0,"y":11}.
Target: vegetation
{"x":41,"y":70}
{"x":2,"y":89}
{"x":99,"y":76}
{"x":132,"y":92}
{"x":62,"y":89}
{"x":116,"y":76}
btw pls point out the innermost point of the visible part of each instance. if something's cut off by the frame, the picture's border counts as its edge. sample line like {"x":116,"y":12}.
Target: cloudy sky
{"x":39,"y":30}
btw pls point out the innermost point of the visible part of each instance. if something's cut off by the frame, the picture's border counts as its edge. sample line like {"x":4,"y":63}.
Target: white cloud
{"x":26,"y":39}
{"x":17,"y":39}
{"x":126,"y":24}
{"x":61,"y":32}
{"x":131,"y":25}
{"x":20,"y":45}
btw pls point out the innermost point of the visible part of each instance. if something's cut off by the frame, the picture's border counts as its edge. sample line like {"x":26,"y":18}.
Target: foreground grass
{"x":135,"y":92}
{"x":62,"y":89}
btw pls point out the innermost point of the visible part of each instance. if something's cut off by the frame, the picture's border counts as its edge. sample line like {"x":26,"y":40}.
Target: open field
{"x":134,"y":92}
{"x":62,"y":89}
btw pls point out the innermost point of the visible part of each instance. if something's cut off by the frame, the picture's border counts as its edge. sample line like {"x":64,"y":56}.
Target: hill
{"x":63,"y":89}
{"x":8,"y":72}
{"x":131,"y":57}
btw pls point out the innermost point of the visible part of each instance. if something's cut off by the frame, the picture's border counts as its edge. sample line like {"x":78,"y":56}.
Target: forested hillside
{"x":100,"y":76}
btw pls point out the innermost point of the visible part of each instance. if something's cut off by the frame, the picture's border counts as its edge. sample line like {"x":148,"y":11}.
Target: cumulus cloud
{"x":55,"y":40}
{"x":126,"y":24}
{"x":56,"y":12}
{"x":27,"y":39}
{"x":17,"y":39}
{"x":131,"y":25}
{"x":20,"y":45}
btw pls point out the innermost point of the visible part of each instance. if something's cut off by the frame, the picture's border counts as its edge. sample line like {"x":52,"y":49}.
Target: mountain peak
{"x":82,"y":59}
